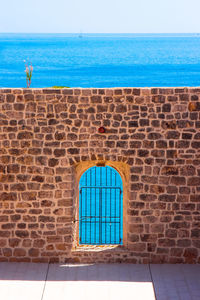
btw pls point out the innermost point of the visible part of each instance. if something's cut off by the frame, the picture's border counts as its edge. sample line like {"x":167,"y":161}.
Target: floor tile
{"x":178,"y":282}
{"x":22,"y":281}
{"x":99,"y":281}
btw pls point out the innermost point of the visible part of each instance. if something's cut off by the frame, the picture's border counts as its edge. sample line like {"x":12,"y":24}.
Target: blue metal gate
{"x":100,"y":207}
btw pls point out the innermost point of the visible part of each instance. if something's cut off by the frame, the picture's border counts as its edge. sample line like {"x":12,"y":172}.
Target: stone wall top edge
{"x":115,"y":91}
{"x":97,"y":88}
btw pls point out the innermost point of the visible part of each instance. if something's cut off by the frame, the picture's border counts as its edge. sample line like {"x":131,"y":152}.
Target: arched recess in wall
{"x":101,"y":207}
{"x":124,"y":171}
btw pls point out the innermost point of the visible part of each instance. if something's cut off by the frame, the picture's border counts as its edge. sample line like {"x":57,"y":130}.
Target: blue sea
{"x":101,"y":60}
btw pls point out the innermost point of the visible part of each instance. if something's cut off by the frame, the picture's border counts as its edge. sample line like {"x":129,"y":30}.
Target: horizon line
{"x":99,"y":33}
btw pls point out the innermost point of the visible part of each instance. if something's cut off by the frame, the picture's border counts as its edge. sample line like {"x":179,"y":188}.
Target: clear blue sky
{"x":100,"y":16}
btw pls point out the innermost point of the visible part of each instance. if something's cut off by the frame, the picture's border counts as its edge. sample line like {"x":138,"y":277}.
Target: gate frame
{"x":124,"y":171}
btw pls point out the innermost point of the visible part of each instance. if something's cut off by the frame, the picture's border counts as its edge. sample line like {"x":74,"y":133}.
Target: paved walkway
{"x":24,"y":281}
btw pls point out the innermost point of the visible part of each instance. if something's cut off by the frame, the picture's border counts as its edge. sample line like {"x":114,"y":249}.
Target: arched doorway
{"x":100,"y":207}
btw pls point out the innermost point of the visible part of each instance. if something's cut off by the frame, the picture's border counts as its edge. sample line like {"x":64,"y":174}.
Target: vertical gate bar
{"x":80,"y":238}
{"x":100,"y":232}
{"x":110,"y":215}
{"x":85,"y":204}
{"x":105,"y":205}
{"x":90,"y":204}
{"x":115,"y":209}
{"x":115,"y":217}
{"x":106,"y":190}
{"x":95,"y":200}
{"x":85,"y":221}
{"x":100,"y":207}
{"x":120,"y":193}
{"x":86,"y":235}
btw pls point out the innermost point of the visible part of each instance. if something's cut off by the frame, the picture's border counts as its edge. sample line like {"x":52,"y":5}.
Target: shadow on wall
{"x":74,"y":272}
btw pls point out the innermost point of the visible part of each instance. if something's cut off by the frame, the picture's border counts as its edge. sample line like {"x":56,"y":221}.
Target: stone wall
{"x":48,"y":135}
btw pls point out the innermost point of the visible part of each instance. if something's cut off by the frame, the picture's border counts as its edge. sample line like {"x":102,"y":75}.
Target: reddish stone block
{"x":7,"y":252}
{"x":33,"y":252}
{"x":193,"y":181}
{"x":184,"y":243}
{"x":18,"y":187}
{"x":96,"y":99}
{"x":22,"y":233}
{"x":39,"y":243}
{"x":45,"y":219}
{"x":190,"y":255}
{"x":14,"y":242}
{"x":195,"y":233}
{"x":194,"y":106}
{"x":19,"y":252}
{"x":136,"y":228}
{"x":3,"y":243}
{"x":178,"y":180}
{"x":5,"y":234}
{"x":25,"y":135}
{"x":166,"y":242}
{"x":138,"y":247}
{"x":133,"y":238}
{"x":148,"y":237}
{"x":8,"y":196}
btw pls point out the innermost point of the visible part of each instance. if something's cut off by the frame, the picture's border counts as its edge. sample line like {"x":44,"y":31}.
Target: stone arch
{"x":124,"y":171}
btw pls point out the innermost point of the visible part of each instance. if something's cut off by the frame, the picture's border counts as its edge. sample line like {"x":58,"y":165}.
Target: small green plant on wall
{"x":60,"y":87}
{"x":29,"y":72}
